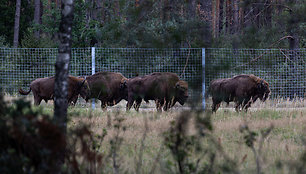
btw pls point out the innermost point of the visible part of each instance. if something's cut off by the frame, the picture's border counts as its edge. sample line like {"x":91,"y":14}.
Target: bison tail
{"x":24,"y":92}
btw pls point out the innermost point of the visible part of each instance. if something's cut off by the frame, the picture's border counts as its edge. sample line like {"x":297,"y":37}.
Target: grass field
{"x":284,"y":143}
{"x":142,"y":136}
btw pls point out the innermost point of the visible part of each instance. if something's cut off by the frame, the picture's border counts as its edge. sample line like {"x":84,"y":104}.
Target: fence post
{"x":93,"y":69}
{"x":203,"y":78}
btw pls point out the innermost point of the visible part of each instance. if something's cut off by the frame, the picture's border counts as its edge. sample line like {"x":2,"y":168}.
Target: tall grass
{"x":275,"y":103}
{"x":284,"y":143}
{"x":263,"y":140}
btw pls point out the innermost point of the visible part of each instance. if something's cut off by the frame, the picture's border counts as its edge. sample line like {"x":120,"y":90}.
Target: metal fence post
{"x":93,"y":69}
{"x":203,"y":78}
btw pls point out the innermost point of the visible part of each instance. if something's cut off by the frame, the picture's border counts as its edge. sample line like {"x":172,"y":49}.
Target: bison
{"x":43,"y":89}
{"x":164,"y":88}
{"x":243,"y":89}
{"x":107,"y":87}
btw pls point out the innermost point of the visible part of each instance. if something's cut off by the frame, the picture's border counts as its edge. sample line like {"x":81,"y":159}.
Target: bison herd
{"x":165,"y":88}
{"x":110,"y":88}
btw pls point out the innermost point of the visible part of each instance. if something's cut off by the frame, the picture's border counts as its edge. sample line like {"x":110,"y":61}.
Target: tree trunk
{"x":58,"y":3}
{"x":213,"y":20}
{"x":206,"y":7}
{"x":256,"y":14}
{"x":241,"y":18}
{"x":236,"y":17}
{"x":61,"y":70}
{"x":268,"y":14}
{"x":293,"y":46}
{"x":191,"y":9}
{"x":16,"y":26}
{"x":294,"y":41}
{"x":88,"y":16}
{"x":279,"y":8}
{"x":137,"y":3}
{"x":116,"y":8}
{"x":88,"y":19}
{"x":293,"y":30}
{"x":229,"y":15}
{"x":100,"y":11}
{"x":165,"y":10}
{"x":217,"y":16}
{"x":247,"y":15}
{"x":221,"y":16}
{"x":37,"y":17}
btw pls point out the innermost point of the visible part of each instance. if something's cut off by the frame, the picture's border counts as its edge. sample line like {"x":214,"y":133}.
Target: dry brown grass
{"x":284,"y":142}
{"x":280,"y":103}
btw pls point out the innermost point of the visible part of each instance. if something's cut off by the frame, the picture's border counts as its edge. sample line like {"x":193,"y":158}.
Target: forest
{"x":55,"y":138}
{"x":157,"y":23}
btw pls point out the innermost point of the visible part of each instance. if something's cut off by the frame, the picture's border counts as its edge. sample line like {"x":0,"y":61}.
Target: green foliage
{"x":249,"y":137}
{"x":30,"y":41}
{"x":190,"y":154}
{"x":287,"y":19}
{"x":29,"y":140}
{"x":142,"y":26}
{"x":7,"y":8}
{"x":3,"y":42}
{"x":154,"y":24}
{"x":31,"y":143}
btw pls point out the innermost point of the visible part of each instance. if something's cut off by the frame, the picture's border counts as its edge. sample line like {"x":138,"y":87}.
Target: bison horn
{"x":123,"y":83}
{"x":179,"y":85}
{"x":83,"y":82}
{"x":261,"y":84}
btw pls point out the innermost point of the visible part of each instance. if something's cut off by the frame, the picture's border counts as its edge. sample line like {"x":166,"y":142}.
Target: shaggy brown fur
{"x":242,"y":89}
{"x":43,"y":89}
{"x":107,"y":87}
{"x":164,"y":88}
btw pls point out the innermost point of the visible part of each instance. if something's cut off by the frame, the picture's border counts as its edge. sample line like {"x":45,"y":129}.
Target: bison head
{"x":181,"y":93}
{"x":263,"y":90}
{"x":85,"y":90}
{"x":124,"y":88}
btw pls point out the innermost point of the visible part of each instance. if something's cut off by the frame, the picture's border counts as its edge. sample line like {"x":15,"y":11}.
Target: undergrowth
{"x":30,"y":142}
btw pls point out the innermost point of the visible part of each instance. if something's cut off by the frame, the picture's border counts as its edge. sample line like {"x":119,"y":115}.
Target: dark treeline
{"x":160,"y":23}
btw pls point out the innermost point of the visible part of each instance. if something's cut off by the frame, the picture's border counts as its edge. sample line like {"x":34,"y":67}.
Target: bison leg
{"x":169,"y":104}
{"x":237,"y":107}
{"x":159,"y":104}
{"x":129,"y":104}
{"x":103,"y":106}
{"x":73,"y":100}
{"x":166,"y":106}
{"x":137,"y":104}
{"x":172,"y":103}
{"x":246,"y":105}
{"x":37,"y":100}
{"x":215,"y":106}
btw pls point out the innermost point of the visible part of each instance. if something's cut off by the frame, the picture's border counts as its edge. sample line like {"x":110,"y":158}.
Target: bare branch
{"x":257,"y":58}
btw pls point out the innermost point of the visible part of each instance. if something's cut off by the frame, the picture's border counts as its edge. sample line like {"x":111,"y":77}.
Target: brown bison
{"x":164,"y":88}
{"x":106,"y":86}
{"x":43,"y":89}
{"x":242,"y":89}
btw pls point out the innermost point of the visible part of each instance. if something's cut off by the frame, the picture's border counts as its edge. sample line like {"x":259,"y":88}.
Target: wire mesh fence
{"x":284,"y":70}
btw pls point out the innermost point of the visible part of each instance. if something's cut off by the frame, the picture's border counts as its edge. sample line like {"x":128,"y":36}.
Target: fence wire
{"x":283,"y":69}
